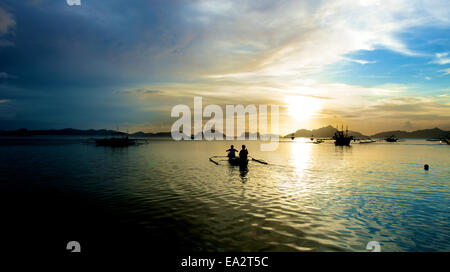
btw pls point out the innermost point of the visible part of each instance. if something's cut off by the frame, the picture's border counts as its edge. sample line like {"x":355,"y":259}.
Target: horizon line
{"x":118,"y":131}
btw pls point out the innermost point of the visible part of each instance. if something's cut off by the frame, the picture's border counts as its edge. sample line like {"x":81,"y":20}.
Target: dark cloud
{"x":62,"y":61}
{"x":419,"y":116}
{"x":7,"y":24}
{"x":143,"y":91}
{"x":95,"y":44}
{"x":4,"y":75}
{"x":7,"y":21}
{"x":390,"y":107}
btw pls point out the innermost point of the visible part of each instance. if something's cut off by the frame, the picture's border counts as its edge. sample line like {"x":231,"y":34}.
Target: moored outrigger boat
{"x":115,"y":142}
{"x":238,"y":161}
{"x":367,"y":141}
{"x":235,"y":161}
{"x":391,"y":139}
{"x":117,"y":139}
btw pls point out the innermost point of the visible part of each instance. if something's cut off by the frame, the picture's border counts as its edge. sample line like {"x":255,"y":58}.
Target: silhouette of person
{"x":243,"y":153}
{"x":232,"y":152}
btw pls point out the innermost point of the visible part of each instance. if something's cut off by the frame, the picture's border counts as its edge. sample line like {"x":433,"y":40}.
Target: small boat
{"x":445,"y":140}
{"x":318,"y":141}
{"x":391,"y":139}
{"x":238,"y":162}
{"x":367,"y":141}
{"x":115,"y":141}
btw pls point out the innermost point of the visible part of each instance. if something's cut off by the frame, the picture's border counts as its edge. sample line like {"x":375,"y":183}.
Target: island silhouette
{"x":327,"y":131}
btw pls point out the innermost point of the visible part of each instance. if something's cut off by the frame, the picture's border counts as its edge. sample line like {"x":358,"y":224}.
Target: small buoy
{"x":426,"y":167}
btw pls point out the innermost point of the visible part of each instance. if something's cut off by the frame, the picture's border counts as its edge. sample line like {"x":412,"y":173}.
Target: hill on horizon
{"x":329,"y":131}
{"x":323,"y":132}
{"x":422,"y":133}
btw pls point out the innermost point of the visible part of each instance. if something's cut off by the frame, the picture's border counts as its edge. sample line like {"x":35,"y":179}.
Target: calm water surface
{"x":167,"y":194}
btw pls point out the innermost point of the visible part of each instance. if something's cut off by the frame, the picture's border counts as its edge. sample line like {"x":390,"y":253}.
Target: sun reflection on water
{"x":301,"y":156}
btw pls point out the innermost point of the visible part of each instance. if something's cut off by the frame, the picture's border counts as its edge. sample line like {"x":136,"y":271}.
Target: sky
{"x":371,"y":65}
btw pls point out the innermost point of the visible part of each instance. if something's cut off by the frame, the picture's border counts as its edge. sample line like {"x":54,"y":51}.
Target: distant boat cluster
{"x":342,"y":138}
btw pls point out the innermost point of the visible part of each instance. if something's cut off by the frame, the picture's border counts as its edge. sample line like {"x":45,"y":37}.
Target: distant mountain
{"x":257,"y":135}
{"x":424,"y":133}
{"x":324,"y":132}
{"x":91,"y":132}
{"x":329,"y":131}
{"x":157,"y":134}
{"x":79,"y":132}
{"x":61,"y":132}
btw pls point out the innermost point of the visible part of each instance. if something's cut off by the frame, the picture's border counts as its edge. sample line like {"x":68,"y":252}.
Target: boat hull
{"x":238,"y":162}
{"x":341,"y":138}
{"x":391,"y":140}
{"x":343,"y":141}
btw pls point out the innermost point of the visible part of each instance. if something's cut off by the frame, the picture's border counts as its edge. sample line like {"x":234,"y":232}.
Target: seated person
{"x":243,"y":153}
{"x":232,"y":152}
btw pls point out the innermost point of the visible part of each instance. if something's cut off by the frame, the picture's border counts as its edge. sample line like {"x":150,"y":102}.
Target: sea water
{"x":167,"y":195}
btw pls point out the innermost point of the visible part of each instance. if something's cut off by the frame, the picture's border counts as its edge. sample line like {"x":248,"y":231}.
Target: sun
{"x":303,"y":107}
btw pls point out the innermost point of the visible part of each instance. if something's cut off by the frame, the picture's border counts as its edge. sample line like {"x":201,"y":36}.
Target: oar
{"x":213,"y":161}
{"x":260,"y":161}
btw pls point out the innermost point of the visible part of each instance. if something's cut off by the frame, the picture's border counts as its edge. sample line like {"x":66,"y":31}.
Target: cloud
{"x":162,"y":53}
{"x":146,"y":91}
{"x":4,"y":75}
{"x":445,"y":71}
{"x":359,"y":61}
{"x":5,"y":43}
{"x":142,"y":93}
{"x":7,"y":23}
{"x":391,"y":114}
{"x":441,"y":58}
{"x":36,"y":2}
{"x":410,"y":107}
{"x":73,"y":2}
{"x":223,"y":38}
{"x":303,"y":37}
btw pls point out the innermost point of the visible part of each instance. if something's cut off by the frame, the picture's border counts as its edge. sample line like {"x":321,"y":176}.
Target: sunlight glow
{"x":303,"y":107}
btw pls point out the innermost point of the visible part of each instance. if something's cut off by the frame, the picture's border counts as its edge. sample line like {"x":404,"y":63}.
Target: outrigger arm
{"x":217,"y":163}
